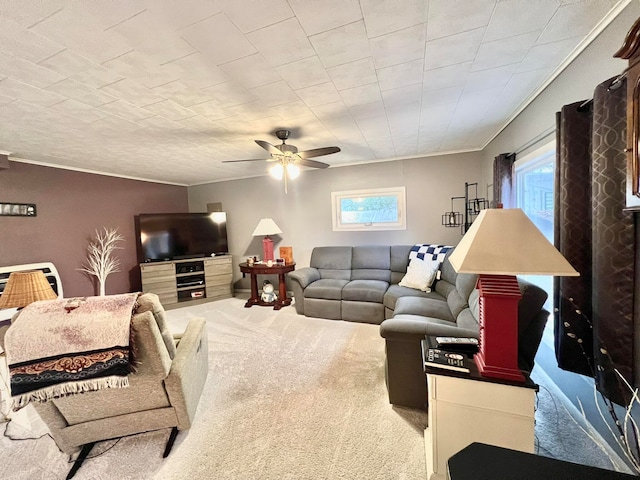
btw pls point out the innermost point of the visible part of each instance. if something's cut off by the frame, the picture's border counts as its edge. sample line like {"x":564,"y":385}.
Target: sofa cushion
{"x":371,"y":262}
{"x":396,"y":291}
{"x":326,"y":288}
{"x":465,"y":284}
{"x":426,"y":307}
{"x":407,"y":328}
{"x":466,"y":320}
{"x":332,"y":262}
{"x":399,"y":262}
{"x":365,"y":291}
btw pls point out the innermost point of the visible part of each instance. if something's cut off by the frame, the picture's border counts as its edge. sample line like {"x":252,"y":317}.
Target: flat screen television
{"x":172,"y":236}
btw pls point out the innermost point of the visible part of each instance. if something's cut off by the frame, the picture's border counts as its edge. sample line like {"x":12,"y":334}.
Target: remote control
{"x":457,"y":341}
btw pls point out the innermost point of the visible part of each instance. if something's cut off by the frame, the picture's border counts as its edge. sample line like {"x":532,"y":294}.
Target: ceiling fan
{"x":288,"y":157}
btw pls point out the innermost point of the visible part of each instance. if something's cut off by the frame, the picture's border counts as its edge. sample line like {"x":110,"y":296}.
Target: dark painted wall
{"x":70,"y":207}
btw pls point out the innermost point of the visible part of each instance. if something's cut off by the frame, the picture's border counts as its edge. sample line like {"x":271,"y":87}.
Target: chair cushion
{"x":149,"y":302}
{"x":365,"y":290}
{"x":326,"y":288}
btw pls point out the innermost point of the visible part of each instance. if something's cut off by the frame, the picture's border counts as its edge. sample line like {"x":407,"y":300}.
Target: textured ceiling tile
{"x":284,"y":42}
{"x":401,"y":75}
{"x":491,"y":78}
{"x":443,"y":77}
{"x":28,"y":13}
{"x":360,"y":112}
{"x":516,"y":17}
{"x":353,"y":74}
{"x":251,"y":111}
{"x":382,"y":17}
{"x":575,"y":20}
{"x":330,"y":110}
{"x":19,"y":41}
{"x":251,"y":71}
{"x":199,"y":72}
{"x":125,"y":110}
{"x":454,"y":49}
{"x":342,"y":45}
{"x":263,"y":13}
{"x":82,"y":93}
{"x":362,"y":95}
{"x":173,"y":15}
{"x":319,"y":94}
{"x":132,"y":92}
{"x":402,"y":96}
{"x":399,"y":47}
{"x":80,"y":69}
{"x":499,"y":53}
{"x":212,"y":110}
{"x":218,"y":39}
{"x":25,"y":92}
{"x":145,"y":32}
{"x":292,"y":110}
{"x":182,"y":94}
{"x":169,"y":110}
{"x":303,"y":73}
{"x":445,"y":96}
{"x":274,"y":94}
{"x":144,"y":69}
{"x":448,"y":17}
{"x":79,"y":110}
{"x":320,"y":16}
{"x":548,"y":55}
{"x":228,"y":94}
{"x":27,"y":72}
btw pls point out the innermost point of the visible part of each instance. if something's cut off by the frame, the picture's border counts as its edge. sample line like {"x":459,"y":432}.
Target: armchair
{"x":163,"y":392}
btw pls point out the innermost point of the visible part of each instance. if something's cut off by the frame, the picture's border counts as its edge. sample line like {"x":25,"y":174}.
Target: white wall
{"x":304,"y":214}
{"x":577,"y":82}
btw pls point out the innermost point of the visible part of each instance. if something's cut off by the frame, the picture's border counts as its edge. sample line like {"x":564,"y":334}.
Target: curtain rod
{"x":615,"y":84}
{"x":549,"y":131}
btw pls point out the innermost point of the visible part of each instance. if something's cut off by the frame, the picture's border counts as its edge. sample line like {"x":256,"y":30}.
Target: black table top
{"x":479,"y":461}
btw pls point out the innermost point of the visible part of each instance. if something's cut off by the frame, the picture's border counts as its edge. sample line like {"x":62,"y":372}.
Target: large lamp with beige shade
{"x":499,"y":245}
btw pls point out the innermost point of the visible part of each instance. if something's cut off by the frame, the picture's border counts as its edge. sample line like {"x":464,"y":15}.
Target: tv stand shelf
{"x":188,"y":281}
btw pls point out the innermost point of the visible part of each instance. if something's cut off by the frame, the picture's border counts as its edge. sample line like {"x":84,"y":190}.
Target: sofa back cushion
{"x":149,"y":302}
{"x":371,"y":262}
{"x":399,"y":262}
{"x":332,"y":262}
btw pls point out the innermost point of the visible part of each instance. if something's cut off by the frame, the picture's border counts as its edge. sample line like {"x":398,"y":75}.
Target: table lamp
{"x":266,"y":227}
{"x":24,"y":288}
{"x":499,"y":245}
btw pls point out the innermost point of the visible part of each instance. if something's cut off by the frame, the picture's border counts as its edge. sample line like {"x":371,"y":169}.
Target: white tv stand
{"x":188,"y":281}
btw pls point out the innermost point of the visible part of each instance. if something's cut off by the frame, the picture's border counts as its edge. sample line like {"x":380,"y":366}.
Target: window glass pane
{"x":369,"y":209}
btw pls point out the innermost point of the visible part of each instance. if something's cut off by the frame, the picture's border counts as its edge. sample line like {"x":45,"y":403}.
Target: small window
{"x":374,"y":209}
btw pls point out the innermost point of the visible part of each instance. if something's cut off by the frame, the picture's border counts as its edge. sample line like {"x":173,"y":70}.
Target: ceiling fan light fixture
{"x":292,"y":170}
{"x":277,"y":171}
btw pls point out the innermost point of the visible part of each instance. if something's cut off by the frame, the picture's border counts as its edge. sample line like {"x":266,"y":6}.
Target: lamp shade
{"x":24,"y":288}
{"x":506,"y":242}
{"x":266,"y":226}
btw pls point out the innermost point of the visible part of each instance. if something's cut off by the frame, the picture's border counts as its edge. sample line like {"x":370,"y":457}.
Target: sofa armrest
{"x":411,"y":328}
{"x":188,"y":373}
{"x":305,"y":276}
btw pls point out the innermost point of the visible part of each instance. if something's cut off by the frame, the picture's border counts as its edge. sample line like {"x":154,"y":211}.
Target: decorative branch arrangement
{"x":626,"y":431}
{"x":100,"y":260}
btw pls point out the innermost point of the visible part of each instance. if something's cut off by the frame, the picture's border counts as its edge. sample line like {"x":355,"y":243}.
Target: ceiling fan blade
{"x":311,"y":163}
{"x":268,"y":147}
{"x":247,"y":160}
{"x":318,"y":152}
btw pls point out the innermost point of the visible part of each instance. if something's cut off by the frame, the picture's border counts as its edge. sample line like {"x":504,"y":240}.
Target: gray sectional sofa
{"x":360,"y":284}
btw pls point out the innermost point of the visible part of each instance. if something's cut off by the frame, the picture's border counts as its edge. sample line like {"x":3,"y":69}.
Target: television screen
{"x":170,"y":236}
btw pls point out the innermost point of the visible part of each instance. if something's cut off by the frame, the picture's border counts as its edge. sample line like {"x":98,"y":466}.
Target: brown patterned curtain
{"x":503,"y":191}
{"x":597,"y":236}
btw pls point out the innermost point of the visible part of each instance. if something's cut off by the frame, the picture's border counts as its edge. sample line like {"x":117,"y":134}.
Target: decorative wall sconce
{"x":472,"y":207}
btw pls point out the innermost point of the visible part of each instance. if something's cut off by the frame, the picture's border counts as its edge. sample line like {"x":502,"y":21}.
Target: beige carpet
{"x":287,"y":397}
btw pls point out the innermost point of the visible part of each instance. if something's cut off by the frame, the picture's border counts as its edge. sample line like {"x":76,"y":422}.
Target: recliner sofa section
{"x":361,"y":284}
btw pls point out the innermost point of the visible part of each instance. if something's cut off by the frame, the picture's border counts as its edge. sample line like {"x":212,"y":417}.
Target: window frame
{"x":400,"y":194}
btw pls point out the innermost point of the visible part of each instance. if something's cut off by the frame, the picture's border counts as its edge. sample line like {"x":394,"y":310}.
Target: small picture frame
{"x":18,"y":209}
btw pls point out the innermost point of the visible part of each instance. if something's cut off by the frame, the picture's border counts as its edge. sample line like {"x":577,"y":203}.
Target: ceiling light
{"x":277,"y":171}
{"x":292,"y":170}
